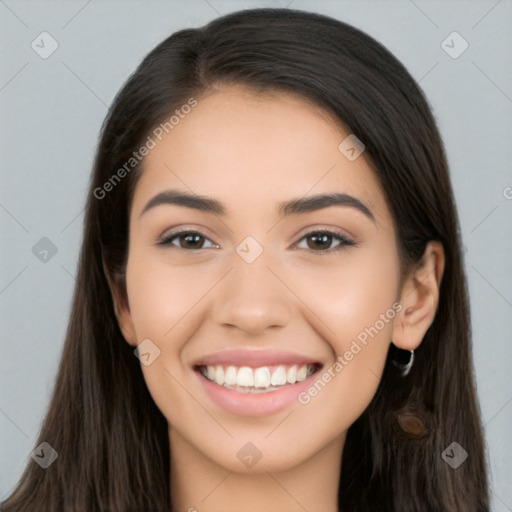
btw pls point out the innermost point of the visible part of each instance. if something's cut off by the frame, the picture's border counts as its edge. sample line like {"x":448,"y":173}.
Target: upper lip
{"x":254,"y":358}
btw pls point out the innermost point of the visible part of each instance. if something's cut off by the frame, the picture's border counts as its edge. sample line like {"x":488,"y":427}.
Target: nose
{"x":252,"y":299}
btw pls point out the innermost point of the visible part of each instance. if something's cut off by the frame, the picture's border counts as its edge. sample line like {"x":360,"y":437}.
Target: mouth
{"x":255,"y":382}
{"x":262,"y":379}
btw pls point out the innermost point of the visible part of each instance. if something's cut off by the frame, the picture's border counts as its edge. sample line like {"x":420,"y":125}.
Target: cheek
{"x":161,"y":298}
{"x":352,"y":295}
{"x":162,"y":306}
{"x":354,"y":302}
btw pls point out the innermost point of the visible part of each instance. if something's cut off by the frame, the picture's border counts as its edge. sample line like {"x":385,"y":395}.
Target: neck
{"x":198,"y":484}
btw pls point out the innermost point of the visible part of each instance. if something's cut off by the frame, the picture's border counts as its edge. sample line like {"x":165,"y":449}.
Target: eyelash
{"x":344,"y":241}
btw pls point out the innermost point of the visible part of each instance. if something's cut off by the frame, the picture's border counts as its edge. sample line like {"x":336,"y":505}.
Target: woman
{"x":271,"y":311}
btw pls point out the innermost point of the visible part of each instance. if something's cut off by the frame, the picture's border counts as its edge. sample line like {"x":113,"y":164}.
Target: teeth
{"x":291,"y":375}
{"x":219,"y":375}
{"x":279,"y":376}
{"x":245,"y":377}
{"x":262,"y":378}
{"x":302,"y":373}
{"x":230,"y":376}
{"x":210,"y":372}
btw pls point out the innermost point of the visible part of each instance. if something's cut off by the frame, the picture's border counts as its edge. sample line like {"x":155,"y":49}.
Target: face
{"x":248,"y":293}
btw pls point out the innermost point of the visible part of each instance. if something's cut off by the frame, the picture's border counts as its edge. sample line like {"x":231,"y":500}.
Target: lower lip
{"x":255,"y":404}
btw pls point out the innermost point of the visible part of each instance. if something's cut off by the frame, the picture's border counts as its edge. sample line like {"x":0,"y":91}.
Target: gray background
{"x":51,"y":113}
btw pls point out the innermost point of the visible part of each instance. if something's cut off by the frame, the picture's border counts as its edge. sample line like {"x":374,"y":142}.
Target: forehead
{"x":249,"y":148}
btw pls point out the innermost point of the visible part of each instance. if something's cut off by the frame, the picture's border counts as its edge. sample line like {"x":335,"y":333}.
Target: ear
{"x":419,"y":298}
{"x":117,"y":285}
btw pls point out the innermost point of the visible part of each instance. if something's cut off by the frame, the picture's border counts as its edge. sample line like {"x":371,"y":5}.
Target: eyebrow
{"x":286,"y":208}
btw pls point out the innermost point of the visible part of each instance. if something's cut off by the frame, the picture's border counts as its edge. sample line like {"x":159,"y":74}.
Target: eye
{"x":192,"y":240}
{"x":322,"y":240}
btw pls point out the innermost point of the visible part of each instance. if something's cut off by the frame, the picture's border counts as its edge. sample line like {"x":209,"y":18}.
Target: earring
{"x":403,"y":360}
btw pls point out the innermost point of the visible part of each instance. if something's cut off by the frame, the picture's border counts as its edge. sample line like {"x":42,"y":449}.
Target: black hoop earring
{"x":403,"y":360}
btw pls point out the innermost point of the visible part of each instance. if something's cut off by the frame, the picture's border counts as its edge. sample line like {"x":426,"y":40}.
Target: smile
{"x":254,"y":382}
{"x":264,"y":379}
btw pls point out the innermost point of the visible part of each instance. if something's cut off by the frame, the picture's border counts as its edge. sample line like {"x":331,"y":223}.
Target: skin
{"x":252,"y":151}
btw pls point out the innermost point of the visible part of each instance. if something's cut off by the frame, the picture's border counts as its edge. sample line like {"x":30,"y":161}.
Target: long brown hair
{"x":111,"y":439}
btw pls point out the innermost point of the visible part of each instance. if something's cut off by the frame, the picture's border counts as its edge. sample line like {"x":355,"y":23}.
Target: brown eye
{"x":188,"y":240}
{"x":321,"y":241}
